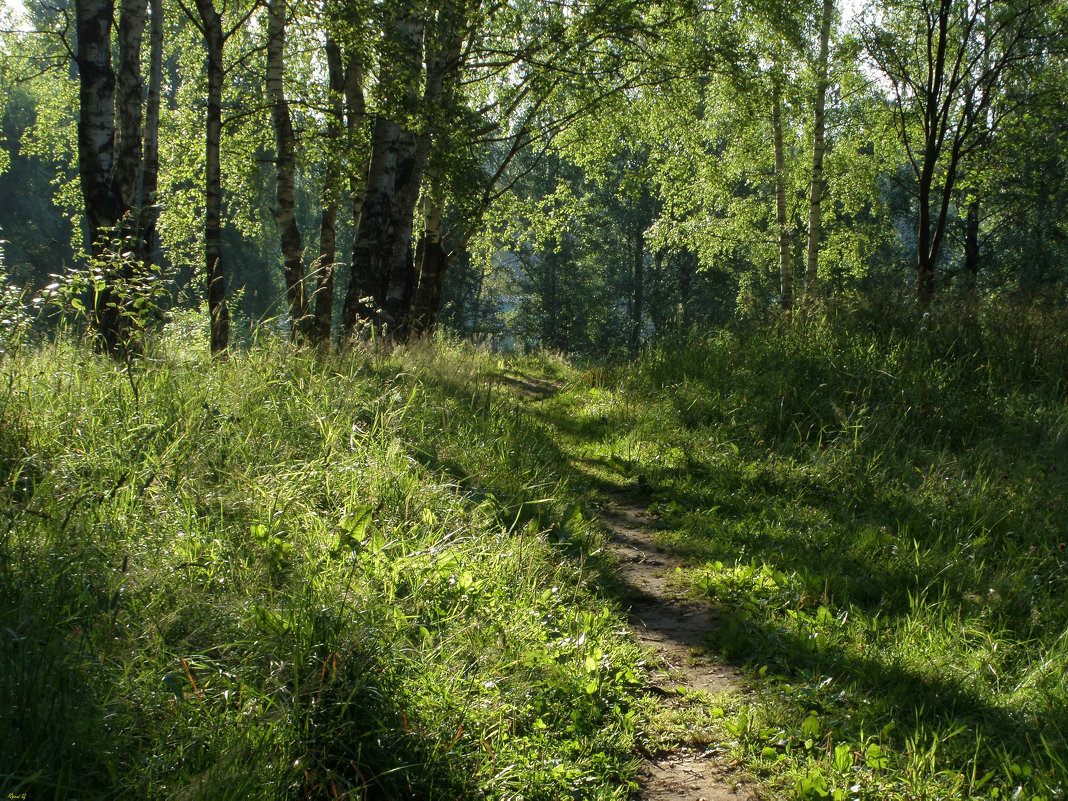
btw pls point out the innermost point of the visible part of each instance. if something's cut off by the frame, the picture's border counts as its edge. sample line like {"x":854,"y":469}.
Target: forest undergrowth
{"x":873,"y":500}
{"x":280,"y":576}
{"x":379,"y":575}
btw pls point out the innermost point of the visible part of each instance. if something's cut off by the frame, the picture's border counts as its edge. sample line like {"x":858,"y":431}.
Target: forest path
{"x":675,"y":629}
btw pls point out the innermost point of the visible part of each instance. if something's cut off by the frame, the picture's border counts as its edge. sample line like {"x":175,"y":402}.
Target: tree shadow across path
{"x":724,"y":514}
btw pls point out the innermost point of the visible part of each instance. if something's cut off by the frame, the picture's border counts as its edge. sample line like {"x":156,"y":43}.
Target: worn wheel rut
{"x":675,"y":631}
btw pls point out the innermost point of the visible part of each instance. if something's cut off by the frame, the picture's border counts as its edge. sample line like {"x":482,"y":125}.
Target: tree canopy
{"x":584,"y":174}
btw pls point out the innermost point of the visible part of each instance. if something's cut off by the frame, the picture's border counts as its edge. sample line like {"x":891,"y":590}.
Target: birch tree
{"x":209,"y":21}
{"x":214,"y":278}
{"x":285,"y":217}
{"x":110,"y":139}
{"x":786,"y":276}
{"x":375,"y":239}
{"x":815,"y":195}
{"x":323,"y":266}
{"x":148,"y":215}
{"x":443,"y":66}
{"x":383,"y":279}
{"x":946,"y":61}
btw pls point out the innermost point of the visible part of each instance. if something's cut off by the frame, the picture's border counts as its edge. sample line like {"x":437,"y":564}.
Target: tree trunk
{"x":214,"y":281}
{"x":368,"y":270}
{"x":638,"y":296}
{"x":355,"y":117}
{"x":924,"y":260}
{"x":816,"y":189}
{"x":392,"y":196}
{"x":411,"y":165}
{"x":444,"y":56}
{"x":128,"y":106}
{"x":323,"y":269}
{"x":928,"y":241}
{"x":96,"y":120}
{"x":971,"y":244}
{"x":786,"y":275}
{"x":376,"y":245}
{"x":96,"y":154}
{"x":148,"y":213}
{"x":432,"y":260}
{"x":285,"y":216}
{"x":660,"y":310}
{"x":380,"y":248}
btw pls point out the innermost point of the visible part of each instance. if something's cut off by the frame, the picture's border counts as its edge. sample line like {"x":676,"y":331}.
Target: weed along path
{"x":684,"y":757}
{"x":686,"y":768}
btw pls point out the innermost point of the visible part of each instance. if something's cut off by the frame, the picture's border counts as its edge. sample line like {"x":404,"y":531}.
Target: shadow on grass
{"x":94,"y":706}
{"x":731,"y":515}
{"x":821,"y":676}
{"x":508,"y":458}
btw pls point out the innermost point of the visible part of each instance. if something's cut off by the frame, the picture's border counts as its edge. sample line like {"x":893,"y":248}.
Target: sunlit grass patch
{"x":875,"y":512}
{"x":283,"y":575}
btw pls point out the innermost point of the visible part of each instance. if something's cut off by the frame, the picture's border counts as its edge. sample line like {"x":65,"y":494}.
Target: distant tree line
{"x":580,"y":174}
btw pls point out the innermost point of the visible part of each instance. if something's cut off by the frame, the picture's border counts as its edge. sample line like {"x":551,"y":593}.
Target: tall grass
{"x":874,"y":501}
{"x":283,"y":576}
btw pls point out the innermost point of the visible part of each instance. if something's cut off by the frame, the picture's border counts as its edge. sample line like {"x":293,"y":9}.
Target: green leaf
{"x":572,"y":515}
{"x":356,"y":521}
{"x":875,"y":757}
{"x":268,"y":621}
{"x":843,"y":757}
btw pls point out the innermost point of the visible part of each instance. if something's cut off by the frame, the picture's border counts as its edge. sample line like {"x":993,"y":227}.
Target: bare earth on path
{"x":675,"y":630}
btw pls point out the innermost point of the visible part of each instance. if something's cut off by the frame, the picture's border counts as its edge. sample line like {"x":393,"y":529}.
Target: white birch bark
{"x":96,"y":120}
{"x":323,"y":268}
{"x":285,"y":216}
{"x":812,"y":252}
{"x":129,"y":90}
{"x":214,"y":281}
{"x":786,"y":276}
{"x":376,"y":235}
{"x":148,"y":211}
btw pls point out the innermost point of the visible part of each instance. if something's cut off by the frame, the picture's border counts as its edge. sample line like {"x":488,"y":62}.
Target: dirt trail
{"x":674,"y":628}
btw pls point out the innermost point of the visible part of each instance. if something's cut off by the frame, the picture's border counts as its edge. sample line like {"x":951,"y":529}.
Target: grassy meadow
{"x":874,"y":503}
{"x":381,"y":575}
{"x":285,"y":577}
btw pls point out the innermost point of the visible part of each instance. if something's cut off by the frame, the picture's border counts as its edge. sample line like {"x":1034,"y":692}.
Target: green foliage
{"x":872,"y":501}
{"x":31,"y":186}
{"x":285,"y":576}
{"x":113,"y":288}
{"x":15,"y":314}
